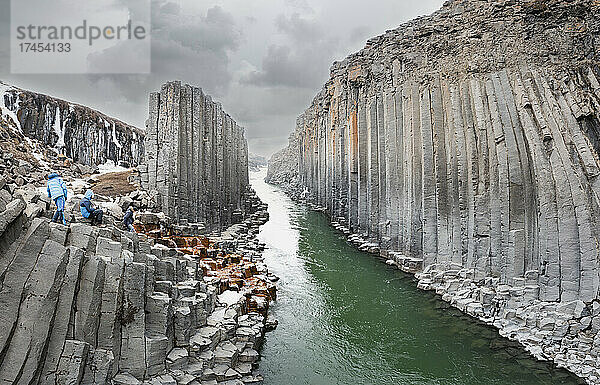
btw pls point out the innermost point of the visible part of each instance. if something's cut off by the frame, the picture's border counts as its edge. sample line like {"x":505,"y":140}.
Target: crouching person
{"x":88,"y":210}
{"x":57,"y":191}
{"x":128,"y":219}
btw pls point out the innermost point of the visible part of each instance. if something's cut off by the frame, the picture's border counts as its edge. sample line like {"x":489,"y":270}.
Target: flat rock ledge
{"x":566,"y":333}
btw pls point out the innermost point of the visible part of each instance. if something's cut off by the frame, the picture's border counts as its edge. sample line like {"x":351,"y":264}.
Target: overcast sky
{"x":263,"y":59}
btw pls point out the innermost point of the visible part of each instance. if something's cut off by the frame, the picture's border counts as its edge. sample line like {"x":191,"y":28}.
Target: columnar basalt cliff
{"x":464,"y":146}
{"x":196,"y":157}
{"x":80,"y":133}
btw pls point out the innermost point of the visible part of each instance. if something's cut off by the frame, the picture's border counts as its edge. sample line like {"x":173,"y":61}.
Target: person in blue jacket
{"x":128,"y":219}
{"x":88,"y":210}
{"x":57,"y":191}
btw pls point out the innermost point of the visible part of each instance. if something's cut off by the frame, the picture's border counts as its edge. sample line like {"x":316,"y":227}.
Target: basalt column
{"x":471,"y":158}
{"x":196,"y":157}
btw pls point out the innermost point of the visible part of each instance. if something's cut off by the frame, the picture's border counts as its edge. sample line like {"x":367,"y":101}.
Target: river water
{"x":347,"y":318}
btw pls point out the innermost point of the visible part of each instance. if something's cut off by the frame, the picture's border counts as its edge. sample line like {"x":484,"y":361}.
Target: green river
{"x":347,"y":318}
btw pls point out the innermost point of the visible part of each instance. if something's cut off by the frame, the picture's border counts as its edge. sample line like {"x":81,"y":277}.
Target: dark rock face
{"x":80,"y":133}
{"x":464,"y":145}
{"x":196,"y":157}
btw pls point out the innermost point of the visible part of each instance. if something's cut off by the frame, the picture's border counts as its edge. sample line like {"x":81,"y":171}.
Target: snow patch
{"x":59,"y":130}
{"x":230,"y":297}
{"x":114,"y":136}
{"x":5,"y":111}
{"x":79,"y":184}
{"x":110,"y":166}
{"x":40,"y":158}
{"x":43,"y":190}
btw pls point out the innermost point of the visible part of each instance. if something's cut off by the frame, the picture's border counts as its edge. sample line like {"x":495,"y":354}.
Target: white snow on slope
{"x":110,"y":166}
{"x":7,"y":113}
{"x":114,"y":136}
{"x":59,"y":130}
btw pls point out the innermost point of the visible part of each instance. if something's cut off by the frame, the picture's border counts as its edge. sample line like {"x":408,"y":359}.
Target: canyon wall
{"x":464,"y":146}
{"x":80,"y":133}
{"x":196,"y":157}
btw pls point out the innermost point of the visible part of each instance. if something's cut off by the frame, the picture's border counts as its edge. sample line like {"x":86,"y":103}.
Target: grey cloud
{"x":300,"y":30}
{"x":360,"y":34}
{"x":280,"y":67}
{"x":252,"y":105}
{"x":296,"y":65}
{"x":170,"y":9}
{"x":124,"y":57}
{"x":300,"y":4}
{"x":268,"y":145}
{"x":216,"y":31}
{"x":264,"y":60}
{"x":269,"y":113}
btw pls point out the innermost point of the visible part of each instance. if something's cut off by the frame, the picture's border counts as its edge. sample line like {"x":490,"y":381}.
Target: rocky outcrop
{"x":80,"y":133}
{"x":196,"y":157}
{"x":283,"y":165}
{"x":464,"y":146}
{"x":87,"y":305}
{"x":102,"y":305}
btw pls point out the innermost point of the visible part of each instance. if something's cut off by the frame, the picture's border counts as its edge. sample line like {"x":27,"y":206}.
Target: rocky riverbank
{"x":565,"y":334}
